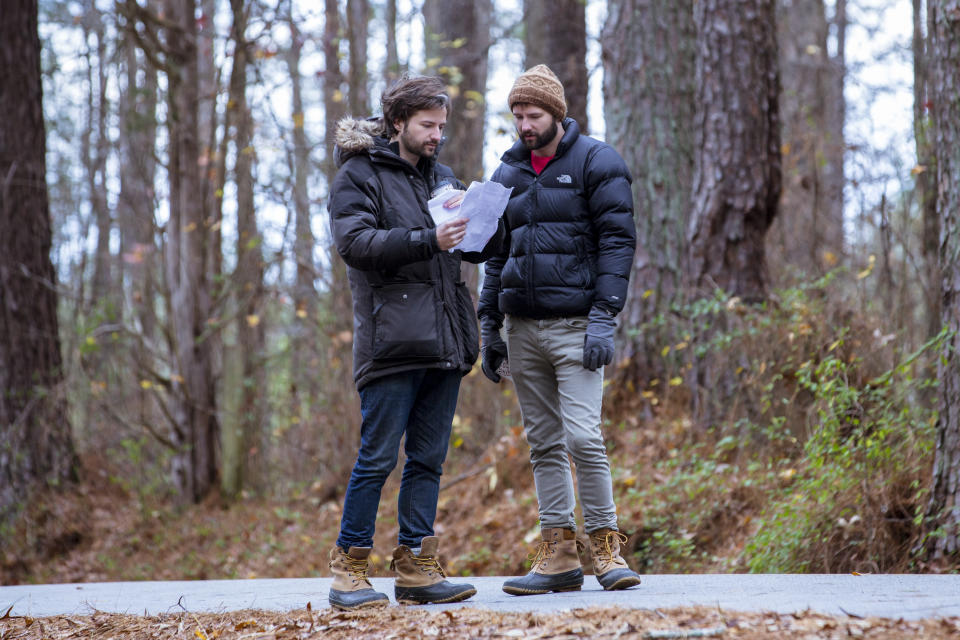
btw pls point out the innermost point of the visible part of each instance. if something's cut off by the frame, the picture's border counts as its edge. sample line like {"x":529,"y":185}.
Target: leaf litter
{"x":403,"y":623}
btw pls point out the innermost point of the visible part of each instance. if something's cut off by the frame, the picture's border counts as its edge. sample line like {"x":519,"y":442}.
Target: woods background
{"x":175,"y":371}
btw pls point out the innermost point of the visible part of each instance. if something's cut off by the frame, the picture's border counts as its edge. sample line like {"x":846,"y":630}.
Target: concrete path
{"x":889,"y":596}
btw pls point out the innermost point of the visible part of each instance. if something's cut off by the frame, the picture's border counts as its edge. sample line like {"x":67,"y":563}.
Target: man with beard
{"x":558,"y":285}
{"x":415,"y":334}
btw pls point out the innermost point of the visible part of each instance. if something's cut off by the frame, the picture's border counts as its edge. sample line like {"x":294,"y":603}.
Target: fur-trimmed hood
{"x":355,"y":135}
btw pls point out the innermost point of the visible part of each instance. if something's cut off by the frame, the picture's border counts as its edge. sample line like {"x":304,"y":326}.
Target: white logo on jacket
{"x":564,"y":179}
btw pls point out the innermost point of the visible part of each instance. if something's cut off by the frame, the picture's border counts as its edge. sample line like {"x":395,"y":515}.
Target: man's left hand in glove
{"x":598,"y":343}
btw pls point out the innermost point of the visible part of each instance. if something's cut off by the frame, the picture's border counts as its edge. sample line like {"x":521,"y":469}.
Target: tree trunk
{"x":96,"y":149}
{"x":835,"y":146}
{"x":337,"y":420}
{"x":736,"y":178}
{"x":926,"y":179}
{"x":135,"y":212}
{"x":196,"y":467}
{"x":36,"y":448}
{"x":304,"y":358}
{"x":556,"y":35}
{"x":391,"y":68}
{"x":807,"y":237}
{"x":945,"y":91}
{"x":358,"y":23}
{"x":457,"y":38}
{"x":333,"y":102}
{"x":207,"y":165}
{"x":135,"y":205}
{"x":648,"y":58}
{"x":248,"y":277}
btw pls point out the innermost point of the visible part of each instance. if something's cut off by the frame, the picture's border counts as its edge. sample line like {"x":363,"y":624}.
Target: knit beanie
{"x":541,"y":87}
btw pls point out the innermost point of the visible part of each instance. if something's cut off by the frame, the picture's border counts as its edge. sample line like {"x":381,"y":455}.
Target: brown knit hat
{"x":539,"y":86}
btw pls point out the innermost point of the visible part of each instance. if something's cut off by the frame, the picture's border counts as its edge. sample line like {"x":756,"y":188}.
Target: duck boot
{"x":351,"y":589}
{"x":609,"y":567}
{"x":420,"y":578}
{"x":555,"y":567}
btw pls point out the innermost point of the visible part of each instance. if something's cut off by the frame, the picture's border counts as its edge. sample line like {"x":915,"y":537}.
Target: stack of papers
{"x":483,"y":205}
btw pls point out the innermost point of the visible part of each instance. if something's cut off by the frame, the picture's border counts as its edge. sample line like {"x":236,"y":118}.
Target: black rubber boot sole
{"x":439,"y":593}
{"x":350,"y":600}
{"x":618,"y":579}
{"x":538,"y":583}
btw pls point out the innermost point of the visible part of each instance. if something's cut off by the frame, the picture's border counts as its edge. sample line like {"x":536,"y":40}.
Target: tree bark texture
{"x":391,"y":67}
{"x":648,"y":58}
{"x":95,"y":151}
{"x":926,"y":179}
{"x":457,"y":40}
{"x":736,"y":178}
{"x":248,"y":276}
{"x":196,"y":432}
{"x":358,"y":28}
{"x":36,"y":448}
{"x":208,"y":79}
{"x":304,"y":359}
{"x":835,"y":146}
{"x":807,"y":236}
{"x":945,"y":91}
{"x":556,"y":35}
{"x":135,"y":204}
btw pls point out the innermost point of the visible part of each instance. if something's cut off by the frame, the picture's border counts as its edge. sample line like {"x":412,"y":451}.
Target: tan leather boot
{"x":555,"y":566}
{"x":420,"y":578}
{"x":609,"y":567}
{"x":351,"y":589}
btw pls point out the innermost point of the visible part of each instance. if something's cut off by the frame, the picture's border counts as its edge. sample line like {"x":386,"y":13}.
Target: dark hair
{"x":409,"y":95}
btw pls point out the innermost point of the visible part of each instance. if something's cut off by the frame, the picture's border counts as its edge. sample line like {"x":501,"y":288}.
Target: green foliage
{"x":680,"y":508}
{"x":863,"y":467}
{"x":819,"y":458}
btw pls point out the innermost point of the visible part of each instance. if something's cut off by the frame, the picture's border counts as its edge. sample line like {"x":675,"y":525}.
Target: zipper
{"x":532,"y":244}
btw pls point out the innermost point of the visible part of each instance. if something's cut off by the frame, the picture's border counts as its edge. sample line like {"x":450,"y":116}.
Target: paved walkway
{"x":890,"y":596}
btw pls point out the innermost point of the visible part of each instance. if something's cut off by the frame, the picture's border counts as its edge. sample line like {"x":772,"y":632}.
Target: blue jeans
{"x":420,"y":404}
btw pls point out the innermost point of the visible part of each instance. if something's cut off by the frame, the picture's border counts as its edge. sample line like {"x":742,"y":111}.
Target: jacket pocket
{"x":405,"y":319}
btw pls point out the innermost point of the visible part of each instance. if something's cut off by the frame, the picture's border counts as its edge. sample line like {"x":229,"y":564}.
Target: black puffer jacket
{"x":571,"y":235}
{"x":410,"y":309}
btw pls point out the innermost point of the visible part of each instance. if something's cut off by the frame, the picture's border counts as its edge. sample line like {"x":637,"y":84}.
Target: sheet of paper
{"x":483,"y":205}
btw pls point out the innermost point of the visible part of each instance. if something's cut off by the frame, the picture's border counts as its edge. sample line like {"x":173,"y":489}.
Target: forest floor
{"x":413,"y":623}
{"x":486,"y":523}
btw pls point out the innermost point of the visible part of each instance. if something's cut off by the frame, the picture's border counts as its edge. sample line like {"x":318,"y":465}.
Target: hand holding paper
{"x":483,"y":205}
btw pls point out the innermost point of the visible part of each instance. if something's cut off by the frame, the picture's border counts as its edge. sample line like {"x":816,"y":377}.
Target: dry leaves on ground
{"x":402,"y":623}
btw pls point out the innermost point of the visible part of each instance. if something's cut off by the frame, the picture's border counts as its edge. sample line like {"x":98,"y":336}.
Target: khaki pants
{"x":561,"y":403}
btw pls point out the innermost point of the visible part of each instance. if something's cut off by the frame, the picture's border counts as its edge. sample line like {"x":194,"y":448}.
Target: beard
{"x":424,"y":149}
{"x":541,"y":140}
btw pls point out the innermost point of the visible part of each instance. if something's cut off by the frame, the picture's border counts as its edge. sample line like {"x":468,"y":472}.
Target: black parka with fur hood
{"x":410,"y":308}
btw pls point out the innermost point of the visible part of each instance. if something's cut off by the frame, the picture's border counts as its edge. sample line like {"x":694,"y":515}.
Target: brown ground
{"x":486,"y":522}
{"x":408,"y":623}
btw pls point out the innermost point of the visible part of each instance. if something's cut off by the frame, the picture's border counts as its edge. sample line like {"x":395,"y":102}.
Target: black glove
{"x":598,"y":343}
{"x":493,"y":350}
